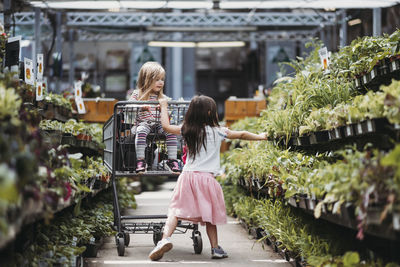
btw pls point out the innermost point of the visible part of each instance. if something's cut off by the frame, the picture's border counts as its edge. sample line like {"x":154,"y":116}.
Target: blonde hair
{"x":148,"y":73}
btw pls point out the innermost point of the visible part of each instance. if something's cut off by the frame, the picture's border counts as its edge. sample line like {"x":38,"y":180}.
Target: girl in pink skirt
{"x":198,"y":197}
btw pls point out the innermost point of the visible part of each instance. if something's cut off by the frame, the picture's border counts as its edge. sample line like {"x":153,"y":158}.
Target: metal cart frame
{"x":120,"y":160}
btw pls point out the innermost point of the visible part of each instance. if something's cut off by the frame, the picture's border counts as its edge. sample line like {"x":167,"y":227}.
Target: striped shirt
{"x":148,"y":116}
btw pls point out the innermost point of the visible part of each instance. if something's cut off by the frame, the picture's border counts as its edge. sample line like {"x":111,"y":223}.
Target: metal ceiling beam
{"x":198,"y":19}
{"x":186,"y":19}
{"x":85,"y":36}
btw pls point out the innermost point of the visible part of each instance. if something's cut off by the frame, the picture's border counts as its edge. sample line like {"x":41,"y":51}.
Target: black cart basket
{"x":119,"y":134}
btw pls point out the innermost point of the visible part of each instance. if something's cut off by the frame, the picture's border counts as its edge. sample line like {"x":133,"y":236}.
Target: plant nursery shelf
{"x":387,"y":229}
{"x":54,"y":112}
{"x":33,"y":211}
{"x":378,"y":132}
{"x":382,"y":74}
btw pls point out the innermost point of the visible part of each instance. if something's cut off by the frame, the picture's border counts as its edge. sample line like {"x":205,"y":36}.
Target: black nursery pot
{"x":319,"y":137}
{"x":349,"y":130}
{"x":374,"y":125}
{"x":303,"y":140}
{"x":336,"y":133}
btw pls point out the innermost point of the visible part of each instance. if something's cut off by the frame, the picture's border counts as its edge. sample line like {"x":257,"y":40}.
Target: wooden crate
{"x":239,"y":108}
{"x":98,"y":109}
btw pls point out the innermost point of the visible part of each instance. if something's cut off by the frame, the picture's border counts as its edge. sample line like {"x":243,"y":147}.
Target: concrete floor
{"x":243,"y":250}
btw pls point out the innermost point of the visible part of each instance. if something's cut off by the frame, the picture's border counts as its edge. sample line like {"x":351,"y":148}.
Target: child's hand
{"x":146,"y":108}
{"x":264,"y":136}
{"x":163,"y":102}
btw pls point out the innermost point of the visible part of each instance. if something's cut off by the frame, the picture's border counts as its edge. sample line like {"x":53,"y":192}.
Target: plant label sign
{"x":44,"y":85}
{"x":39,"y":90}
{"x":39,"y":72}
{"x":80,"y":105}
{"x":28,"y":70}
{"x":78,"y":89}
{"x":324,"y":56}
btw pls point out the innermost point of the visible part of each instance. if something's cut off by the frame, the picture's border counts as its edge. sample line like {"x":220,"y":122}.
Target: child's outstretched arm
{"x":174,"y":129}
{"x":245,"y":135}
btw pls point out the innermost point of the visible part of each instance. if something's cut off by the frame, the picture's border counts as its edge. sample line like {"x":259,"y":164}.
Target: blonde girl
{"x":150,"y":87}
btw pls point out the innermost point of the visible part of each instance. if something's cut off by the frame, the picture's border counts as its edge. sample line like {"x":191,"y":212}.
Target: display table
{"x":239,"y":108}
{"x":98,"y":109}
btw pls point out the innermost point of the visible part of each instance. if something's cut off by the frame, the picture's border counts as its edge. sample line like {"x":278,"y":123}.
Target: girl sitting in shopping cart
{"x":150,"y":86}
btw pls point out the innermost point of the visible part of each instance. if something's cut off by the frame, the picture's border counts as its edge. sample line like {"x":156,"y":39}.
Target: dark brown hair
{"x":202,"y":112}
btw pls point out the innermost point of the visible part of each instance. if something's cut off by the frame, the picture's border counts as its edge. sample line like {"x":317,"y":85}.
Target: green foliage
{"x":10,"y":104}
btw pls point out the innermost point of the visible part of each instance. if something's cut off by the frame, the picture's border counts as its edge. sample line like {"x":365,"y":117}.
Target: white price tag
{"x":373,"y":74}
{"x":394,"y":66}
{"x":369,"y":125}
{"x":39,"y":60}
{"x":396,"y":221}
{"x":357,"y":83}
{"x":311,"y":204}
{"x":359,"y":129}
{"x":337,"y":133}
{"x":28,"y":69}
{"x":348,"y":130}
{"x":365,"y":79}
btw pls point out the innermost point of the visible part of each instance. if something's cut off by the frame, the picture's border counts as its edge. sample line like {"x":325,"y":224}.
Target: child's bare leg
{"x":170,"y":226}
{"x":212,"y":234}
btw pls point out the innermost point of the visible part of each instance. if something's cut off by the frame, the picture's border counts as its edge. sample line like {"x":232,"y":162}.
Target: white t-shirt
{"x":208,"y":160}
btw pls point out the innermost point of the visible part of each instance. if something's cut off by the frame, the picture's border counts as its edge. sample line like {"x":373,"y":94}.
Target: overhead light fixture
{"x":221,"y":44}
{"x":354,"y":22}
{"x":113,"y":5}
{"x":171,"y":44}
{"x":77,"y":4}
{"x":142,"y":4}
{"x":189,"y":4}
{"x":303,"y":4}
{"x":199,"y":44}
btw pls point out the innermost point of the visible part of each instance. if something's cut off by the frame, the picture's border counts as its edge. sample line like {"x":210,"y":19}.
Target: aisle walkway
{"x":242,"y":249}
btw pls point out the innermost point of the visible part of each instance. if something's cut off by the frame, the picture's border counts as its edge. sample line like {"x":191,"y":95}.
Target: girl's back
{"x":207,"y":159}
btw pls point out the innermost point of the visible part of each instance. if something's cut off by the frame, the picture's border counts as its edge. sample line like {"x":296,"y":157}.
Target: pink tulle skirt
{"x":198,"y":197}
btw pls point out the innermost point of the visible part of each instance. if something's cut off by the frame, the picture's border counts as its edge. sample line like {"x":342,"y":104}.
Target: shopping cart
{"x":120,"y":159}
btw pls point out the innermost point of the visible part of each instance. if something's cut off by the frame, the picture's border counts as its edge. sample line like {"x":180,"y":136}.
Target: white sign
{"x":28,"y":69}
{"x":80,"y":105}
{"x":39,"y":90}
{"x":324,"y":56}
{"x":78,"y":89}
{"x":44,"y":85}
{"x":39,"y":72}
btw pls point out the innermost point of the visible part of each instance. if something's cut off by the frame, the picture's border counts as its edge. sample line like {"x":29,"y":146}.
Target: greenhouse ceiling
{"x":123,"y":5}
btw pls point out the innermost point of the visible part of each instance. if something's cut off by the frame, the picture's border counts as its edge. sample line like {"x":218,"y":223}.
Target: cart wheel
{"x":121,"y":246}
{"x":127,"y":239}
{"x":197,"y":243}
{"x":157,"y":235}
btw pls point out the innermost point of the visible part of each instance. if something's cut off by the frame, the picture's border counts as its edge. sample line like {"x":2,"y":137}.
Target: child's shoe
{"x":218,"y":253}
{"x":173,"y":165}
{"x":141,"y":165}
{"x":163,"y":246}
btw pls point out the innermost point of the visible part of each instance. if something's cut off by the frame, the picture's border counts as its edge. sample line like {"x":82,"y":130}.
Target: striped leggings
{"x":144,"y":129}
